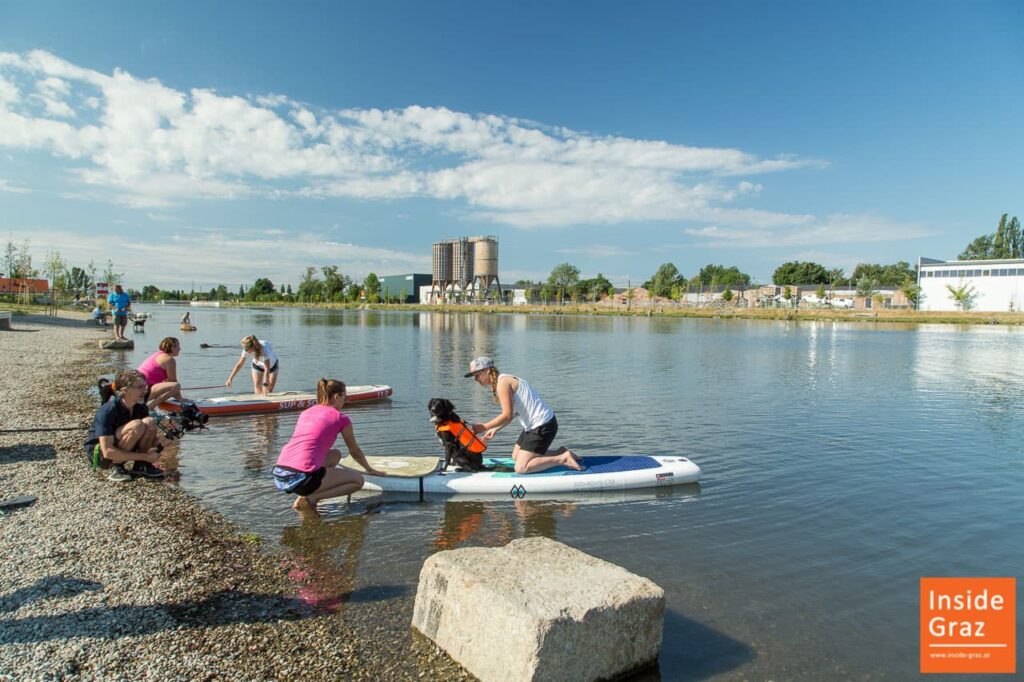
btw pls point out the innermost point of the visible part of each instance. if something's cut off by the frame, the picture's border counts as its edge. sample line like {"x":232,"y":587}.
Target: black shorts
{"x":312,"y":484}
{"x":120,"y":319}
{"x":539,"y":439}
{"x":259,"y":368}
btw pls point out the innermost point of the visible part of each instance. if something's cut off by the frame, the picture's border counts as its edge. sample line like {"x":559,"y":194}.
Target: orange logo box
{"x":968,"y":625}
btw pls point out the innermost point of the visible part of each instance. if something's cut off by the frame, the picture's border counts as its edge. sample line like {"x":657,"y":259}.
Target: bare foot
{"x":563,"y":450}
{"x":569,"y":461}
{"x":303,"y":506}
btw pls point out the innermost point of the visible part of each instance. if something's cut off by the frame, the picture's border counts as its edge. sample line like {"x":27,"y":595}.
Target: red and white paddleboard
{"x":275,"y":402}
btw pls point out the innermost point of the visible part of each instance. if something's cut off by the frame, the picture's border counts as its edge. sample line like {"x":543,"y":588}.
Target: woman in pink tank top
{"x":161,"y":372}
{"x":308,"y":465}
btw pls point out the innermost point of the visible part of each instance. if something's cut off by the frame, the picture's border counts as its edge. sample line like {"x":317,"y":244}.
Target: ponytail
{"x":326,"y":389}
{"x":251,"y":344}
{"x":492,"y":376}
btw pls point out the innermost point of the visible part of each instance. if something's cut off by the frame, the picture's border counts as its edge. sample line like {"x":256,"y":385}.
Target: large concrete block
{"x":118,"y":344}
{"x":538,"y":610}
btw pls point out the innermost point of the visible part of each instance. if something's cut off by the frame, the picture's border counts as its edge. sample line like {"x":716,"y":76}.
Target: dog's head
{"x":441,"y":410}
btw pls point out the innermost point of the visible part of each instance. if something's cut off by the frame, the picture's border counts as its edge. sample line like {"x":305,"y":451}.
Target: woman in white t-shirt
{"x":264,"y":365}
{"x":516,"y":396}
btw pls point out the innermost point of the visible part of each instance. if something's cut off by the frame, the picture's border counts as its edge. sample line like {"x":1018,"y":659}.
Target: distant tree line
{"x":1005,"y":242}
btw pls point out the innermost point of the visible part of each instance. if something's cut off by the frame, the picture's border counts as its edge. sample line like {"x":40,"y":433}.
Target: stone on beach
{"x":537,"y":609}
{"x":117,"y":344}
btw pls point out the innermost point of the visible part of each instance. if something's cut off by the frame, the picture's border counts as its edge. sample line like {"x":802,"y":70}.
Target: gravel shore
{"x":127,"y":581}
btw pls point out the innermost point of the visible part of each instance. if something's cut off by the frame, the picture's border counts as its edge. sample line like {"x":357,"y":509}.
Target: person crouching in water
{"x":308,"y":465}
{"x":537,"y":419}
{"x":161,"y":372}
{"x":123,"y":431}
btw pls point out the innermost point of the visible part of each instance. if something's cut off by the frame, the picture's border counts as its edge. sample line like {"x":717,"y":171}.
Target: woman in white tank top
{"x":516,"y":396}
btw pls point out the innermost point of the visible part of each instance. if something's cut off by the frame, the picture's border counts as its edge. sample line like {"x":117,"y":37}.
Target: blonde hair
{"x":252,"y":345}
{"x":492,"y":376}
{"x":326,"y":389}
{"x":168,"y":344}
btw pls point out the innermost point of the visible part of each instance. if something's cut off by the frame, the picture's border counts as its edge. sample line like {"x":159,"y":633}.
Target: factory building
{"x":402,"y":288}
{"x":984,"y":285}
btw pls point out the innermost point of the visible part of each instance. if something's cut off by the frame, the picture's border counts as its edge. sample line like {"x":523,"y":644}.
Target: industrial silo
{"x":485,"y":266}
{"x":462,"y":263}
{"x":441,"y":273}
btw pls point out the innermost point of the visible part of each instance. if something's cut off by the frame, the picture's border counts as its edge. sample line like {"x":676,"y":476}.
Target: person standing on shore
{"x":264,"y":365}
{"x":120,"y":304}
{"x":123,"y":431}
{"x":515,"y":395}
{"x":308,"y":465}
{"x":161,"y":372}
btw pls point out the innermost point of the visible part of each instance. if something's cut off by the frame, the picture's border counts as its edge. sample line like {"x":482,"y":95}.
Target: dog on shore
{"x":462,"y":447}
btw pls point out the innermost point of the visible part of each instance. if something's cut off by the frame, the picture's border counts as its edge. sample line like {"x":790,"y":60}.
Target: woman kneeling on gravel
{"x":123,"y":431}
{"x":308,"y":465}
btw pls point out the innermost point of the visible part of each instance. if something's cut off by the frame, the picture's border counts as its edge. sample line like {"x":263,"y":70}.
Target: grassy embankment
{"x":643,"y":310}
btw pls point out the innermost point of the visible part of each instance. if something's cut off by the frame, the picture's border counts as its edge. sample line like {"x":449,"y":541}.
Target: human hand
{"x":477,"y":428}
{"x":490,"y":433}
{"x":375,"y":472}
{"x":228,"y":383}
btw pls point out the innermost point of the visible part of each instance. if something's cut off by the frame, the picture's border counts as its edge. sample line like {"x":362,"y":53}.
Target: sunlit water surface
{"x":841,"y":463}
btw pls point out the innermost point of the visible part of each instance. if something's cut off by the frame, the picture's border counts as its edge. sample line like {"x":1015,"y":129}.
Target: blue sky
{"x":213,"y":143}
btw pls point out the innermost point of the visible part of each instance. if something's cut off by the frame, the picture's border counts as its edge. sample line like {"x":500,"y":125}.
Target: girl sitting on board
{"x":538,"y":421}
{"x":264,"y":365}
{"x":161,"y":372}
{"x":308,"y":465}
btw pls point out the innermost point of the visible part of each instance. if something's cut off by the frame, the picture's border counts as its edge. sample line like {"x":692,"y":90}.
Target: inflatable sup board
{"x":602,"y":472}
{"x":280,"y":401}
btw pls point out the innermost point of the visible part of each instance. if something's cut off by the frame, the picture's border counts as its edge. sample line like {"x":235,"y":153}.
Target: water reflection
{"x":263,"y":440}
{"x":325,"y":558}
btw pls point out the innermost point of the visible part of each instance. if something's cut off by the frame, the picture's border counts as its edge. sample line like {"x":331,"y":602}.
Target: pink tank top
{"x":154,"y":373}
{"x":317,"y":429}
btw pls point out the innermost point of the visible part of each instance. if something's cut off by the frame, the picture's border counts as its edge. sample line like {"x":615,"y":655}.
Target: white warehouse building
{"x":993,"y":285}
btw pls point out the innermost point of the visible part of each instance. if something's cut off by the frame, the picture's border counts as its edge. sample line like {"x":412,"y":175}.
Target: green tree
{"x":820,"y":293}
{"x":111,"y":276}
{"x":867,"y":287}
{"x":334,"y":283}
{"x":1014,"y":239}
{"x":797,"y":272}
{"x":963,"y":295}
{"x":719,"y":274}
{"x":663,"y":280}
{"x":912,"y":291}
{"x":310,"y":286}
{"x":78,"y":282}
{"x":56,"y":270}
{"x":1000,"y":240}
{"x":980,"y":249}
{"x":727,"y":295}
{"x":261,"y":287}
{"x":371,"y":285}
{"x":885,"y":275}
{"x":563,"y":278}
{"x":150,"y":293}
{"x":595,"y":287}
{"x":19,"y":260}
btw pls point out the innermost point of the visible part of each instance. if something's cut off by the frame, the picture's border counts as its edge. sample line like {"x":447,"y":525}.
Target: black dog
{"x":461,"y":446}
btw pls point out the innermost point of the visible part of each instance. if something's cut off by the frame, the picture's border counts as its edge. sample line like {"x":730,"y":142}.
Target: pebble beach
{"x":128,"y":581}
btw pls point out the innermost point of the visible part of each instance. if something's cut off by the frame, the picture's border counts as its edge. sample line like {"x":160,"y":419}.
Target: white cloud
{"x":224,"y":259}
{"x":6,"y":186}
{"x":765,"y":231}
{"x":140,"y":143}
{"x":598,"y":251}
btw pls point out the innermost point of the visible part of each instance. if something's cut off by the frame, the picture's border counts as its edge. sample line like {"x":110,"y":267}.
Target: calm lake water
{"x":841,"y":463}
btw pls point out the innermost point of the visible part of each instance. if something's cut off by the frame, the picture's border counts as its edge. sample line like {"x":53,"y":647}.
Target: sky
{"x":196,"y":144}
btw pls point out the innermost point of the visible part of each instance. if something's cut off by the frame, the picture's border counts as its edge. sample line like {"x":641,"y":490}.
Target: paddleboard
{"x":249,"y":403}
{"x":601,"y":473}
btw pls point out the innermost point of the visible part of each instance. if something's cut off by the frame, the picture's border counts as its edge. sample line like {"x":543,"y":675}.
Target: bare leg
{"x":162,"y":392}
{"x":563,"y":449}
{"x":257,"y":379}
{"x":272,"y":382}
{"x":336,"y":483}
{"x":531,"y":463}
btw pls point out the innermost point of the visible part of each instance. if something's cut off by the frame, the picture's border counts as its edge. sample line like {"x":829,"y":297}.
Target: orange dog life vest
{"x":464,"y":434}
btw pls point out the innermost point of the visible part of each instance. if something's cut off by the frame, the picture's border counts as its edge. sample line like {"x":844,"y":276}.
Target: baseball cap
{"x":480,"y":363}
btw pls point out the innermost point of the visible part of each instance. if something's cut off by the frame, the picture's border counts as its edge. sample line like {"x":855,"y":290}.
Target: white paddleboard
{"x":601,"y":473}
{"x":248,"y":403}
